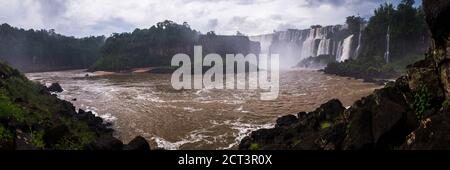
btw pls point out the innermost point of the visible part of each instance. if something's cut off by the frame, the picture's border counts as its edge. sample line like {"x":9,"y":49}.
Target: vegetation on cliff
{"x":409,"y":39}
{"x":155,"y":47}
{"x":42,"y":50}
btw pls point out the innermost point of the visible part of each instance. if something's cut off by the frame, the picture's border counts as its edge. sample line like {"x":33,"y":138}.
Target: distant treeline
{"x":42,"y":50}
{"x":157,"y":45}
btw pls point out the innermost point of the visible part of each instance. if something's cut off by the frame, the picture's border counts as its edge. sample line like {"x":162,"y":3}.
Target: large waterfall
{"x":346,"y":48}
{"x":295,"y":45}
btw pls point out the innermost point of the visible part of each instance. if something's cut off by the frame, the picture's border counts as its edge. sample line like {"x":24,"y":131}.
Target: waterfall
{"x":346,"y":48}
{"x":387,"y":55}
{"x":357,"y":51}
{"x":265,"y":42}
{"x":339,"y":50}
{"x":324,"y":47}
{"x":295,"y":45}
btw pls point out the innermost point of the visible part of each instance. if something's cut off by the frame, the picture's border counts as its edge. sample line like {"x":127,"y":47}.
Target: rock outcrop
{"x":411,"y":113}
{"x":55,"y":87}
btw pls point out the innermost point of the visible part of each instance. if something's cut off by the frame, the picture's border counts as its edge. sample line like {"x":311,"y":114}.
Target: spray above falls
{"x":293,"y":46}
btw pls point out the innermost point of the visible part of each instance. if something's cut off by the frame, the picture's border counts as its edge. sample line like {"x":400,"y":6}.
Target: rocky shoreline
{"x":32,"y":118}
{"x":412,"y":113}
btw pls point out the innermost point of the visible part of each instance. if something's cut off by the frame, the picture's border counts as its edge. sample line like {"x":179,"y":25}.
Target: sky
{"x":82,"y":18}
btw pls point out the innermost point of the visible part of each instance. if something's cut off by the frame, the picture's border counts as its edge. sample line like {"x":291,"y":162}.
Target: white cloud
{"x":103,"y":17}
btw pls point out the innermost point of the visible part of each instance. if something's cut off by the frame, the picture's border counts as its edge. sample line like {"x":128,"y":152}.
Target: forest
{"x":45,"y":50}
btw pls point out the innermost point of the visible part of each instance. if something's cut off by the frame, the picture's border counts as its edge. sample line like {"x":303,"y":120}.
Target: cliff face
{"x":412,"y":113}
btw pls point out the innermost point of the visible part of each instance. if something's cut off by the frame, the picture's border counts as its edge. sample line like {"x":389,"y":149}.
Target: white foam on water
{"x":193,"y":137}
{"x":107,"y":117}
{"x":149,"y":98}
{"x":243,"y":130}
{"x":191,"y":109}
{"x":241,"y":109}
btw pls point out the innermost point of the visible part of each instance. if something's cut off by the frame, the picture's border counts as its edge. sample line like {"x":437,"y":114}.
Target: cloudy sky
{"x":103,"y":17}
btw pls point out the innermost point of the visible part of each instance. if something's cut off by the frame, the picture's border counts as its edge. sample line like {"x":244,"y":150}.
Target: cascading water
{"x":388,"y":38}
{"x":265,"y":42}
{"x":295,"y":45}
{"x":346,"y":48}
{"x":358,"y":48}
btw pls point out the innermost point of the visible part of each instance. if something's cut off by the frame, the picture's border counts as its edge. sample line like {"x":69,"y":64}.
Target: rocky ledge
{"x":412,"y":113}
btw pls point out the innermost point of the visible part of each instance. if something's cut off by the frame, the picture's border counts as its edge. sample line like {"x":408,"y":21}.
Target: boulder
{"x":137,"y":144}
{"x":431,"y":135}
{"x":286,"y":121}
{"x":55,"y":87}
{"x":381,"y":120}
{"x":106,"y":142}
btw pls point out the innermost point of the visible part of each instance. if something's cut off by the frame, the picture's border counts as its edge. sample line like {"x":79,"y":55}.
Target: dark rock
{"x":310,"y":131}
{"x":139,"y":143}
{"x":302,"y":115}
{"x":431,"y":135}
{"x":56,"y":88}
{"x":286,"y":121}
{"x":106,"y":142}
{"x":329,"y":110}
{"x":380,"y":120}
{"x":437,"y":13}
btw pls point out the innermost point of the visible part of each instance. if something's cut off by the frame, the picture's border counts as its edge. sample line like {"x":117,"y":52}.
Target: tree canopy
{"x":43,"y":50}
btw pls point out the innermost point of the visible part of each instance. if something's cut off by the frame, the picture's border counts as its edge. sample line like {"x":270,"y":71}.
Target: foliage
{"x":33,"y":112}
{"x":408,"y":40}
{"x":422,"y":101}
{"x":362,"y":69}
{"x":37,"y":139}
{"x":5,"y":134}
{"x":255,"y":147}
{"x":41,"y":50}
{"x":147,"y":47}
{"x":408,"y":31}
{"x":325,"y":125}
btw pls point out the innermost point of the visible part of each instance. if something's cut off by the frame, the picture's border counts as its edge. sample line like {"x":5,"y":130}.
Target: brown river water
{"x":147,"y":105}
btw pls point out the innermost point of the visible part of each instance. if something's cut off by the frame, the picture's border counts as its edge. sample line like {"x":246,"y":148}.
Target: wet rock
{"x":317,"y":130}
{"x":380,"y":120}
{"x":55,"y":87}
{"x":437,"y":13}
{"x":106,"y":142}
{"x":286,"y":121}
{"x":329,"y":110}
{"x":431,"y":135}
{"x":137,"y":144}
